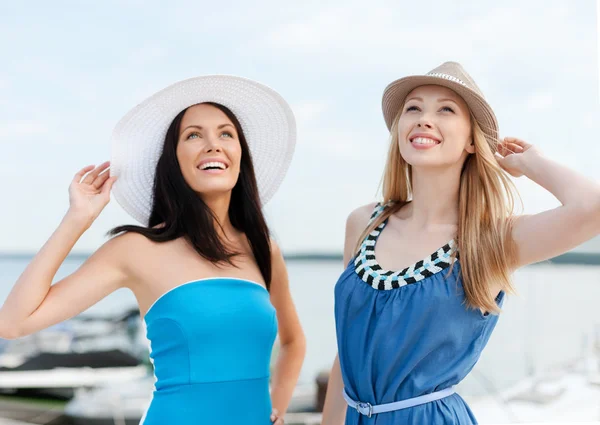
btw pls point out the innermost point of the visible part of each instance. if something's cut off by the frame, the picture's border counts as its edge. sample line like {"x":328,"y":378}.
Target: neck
{"x":435,"y":196}
{"x":219,"y":205}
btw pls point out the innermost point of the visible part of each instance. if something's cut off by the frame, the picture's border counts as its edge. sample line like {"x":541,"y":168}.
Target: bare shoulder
{"x":358,"y":219}
{"x":124,"y":244}
{"x":276,"y":254}
{"x":279,"y":275}
{"x":126,"y":251}
{"x":355,"y":224}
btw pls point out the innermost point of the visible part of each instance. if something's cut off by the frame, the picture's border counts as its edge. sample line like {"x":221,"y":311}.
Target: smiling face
{"x":208,"y":150}
{"x":434,"y":128}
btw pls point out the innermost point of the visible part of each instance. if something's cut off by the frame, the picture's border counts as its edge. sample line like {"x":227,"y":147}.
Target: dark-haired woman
{"x":194,"y":164}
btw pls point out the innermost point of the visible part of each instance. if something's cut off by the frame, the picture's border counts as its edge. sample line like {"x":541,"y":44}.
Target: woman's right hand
{"x":89,"y":192}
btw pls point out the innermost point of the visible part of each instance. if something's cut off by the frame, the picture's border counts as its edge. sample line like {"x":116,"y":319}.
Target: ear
{"x":470,"y":147}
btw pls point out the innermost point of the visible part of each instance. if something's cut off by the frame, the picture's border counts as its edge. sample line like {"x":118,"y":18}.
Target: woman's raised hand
{"x":89,"y":192}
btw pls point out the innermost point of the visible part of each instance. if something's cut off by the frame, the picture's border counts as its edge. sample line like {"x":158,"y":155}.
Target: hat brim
{"x":266,"y":119}
{"x":396,"y":92}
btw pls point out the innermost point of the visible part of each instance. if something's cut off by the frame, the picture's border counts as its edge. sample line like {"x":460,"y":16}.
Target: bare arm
{"x":553,"y":232}
{"x":291,"y":338}
{"x":34,"y":304}
{"x":334,"y":410}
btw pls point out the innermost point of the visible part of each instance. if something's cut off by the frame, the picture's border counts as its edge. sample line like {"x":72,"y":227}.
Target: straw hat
{"x":451,"y":75}
{"x":138,"y":138}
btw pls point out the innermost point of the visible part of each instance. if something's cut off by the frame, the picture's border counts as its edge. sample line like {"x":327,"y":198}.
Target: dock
{"x":25,"y":413}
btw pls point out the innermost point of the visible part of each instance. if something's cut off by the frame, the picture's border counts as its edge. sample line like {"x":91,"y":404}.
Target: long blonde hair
{"x":486,"y":202}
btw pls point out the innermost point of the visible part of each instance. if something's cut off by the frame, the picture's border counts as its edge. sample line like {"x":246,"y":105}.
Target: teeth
{"x":424,"y":141}
{"x":214,"y":165}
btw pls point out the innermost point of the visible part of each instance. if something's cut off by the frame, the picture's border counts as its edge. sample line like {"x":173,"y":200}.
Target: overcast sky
{"x":70,"y":70}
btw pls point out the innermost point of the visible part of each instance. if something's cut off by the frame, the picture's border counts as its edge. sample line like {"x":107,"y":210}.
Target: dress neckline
{"x":371,"y":272}
{"x":203,"y":280}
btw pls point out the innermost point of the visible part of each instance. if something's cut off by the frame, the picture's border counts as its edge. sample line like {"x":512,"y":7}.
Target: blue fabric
{"x":211,"y":343}
{"x":406,"y":342}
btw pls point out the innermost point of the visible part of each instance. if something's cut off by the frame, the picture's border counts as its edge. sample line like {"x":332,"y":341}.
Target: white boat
{"x":80,"y":353}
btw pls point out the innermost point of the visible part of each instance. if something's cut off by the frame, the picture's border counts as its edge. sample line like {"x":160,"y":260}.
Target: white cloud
{"x":327,"y":140}
{"x":331,"y":59}
{"x":333,"y":145}
{"x":389,"y":37}
{"x":308,"y":112}
{"x":598,"y":43}
{"x":147,"y":55}
{"x":22,"y":128}
{"x":539,"y":101}
{"x":590,"y":120}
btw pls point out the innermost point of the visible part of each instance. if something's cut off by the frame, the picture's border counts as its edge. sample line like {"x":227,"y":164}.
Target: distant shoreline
{"x":581,"y":258}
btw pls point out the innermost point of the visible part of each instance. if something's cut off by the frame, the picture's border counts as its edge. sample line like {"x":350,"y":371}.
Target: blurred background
{"x":70,"y":70}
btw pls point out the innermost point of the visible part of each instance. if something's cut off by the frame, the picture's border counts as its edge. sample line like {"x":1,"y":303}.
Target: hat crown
{"x":451,"y":75}
{"x":454,"y":71}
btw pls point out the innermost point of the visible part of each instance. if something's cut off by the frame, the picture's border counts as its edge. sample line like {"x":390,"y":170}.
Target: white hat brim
{"x":266,"y":119}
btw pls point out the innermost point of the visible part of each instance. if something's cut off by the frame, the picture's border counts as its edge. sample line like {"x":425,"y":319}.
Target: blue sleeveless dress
{"x":404,"y":334}
{"x":211,"y":343}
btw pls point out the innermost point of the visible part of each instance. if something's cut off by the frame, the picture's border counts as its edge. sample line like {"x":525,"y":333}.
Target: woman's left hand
{"x":510,"y":155}
{"x":275,"y":418}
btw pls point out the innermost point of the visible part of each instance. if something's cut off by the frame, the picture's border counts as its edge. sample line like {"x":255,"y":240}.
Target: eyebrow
{"x":200,"y":127}
{"x":439,"y":100}
{"x":447,"y":99}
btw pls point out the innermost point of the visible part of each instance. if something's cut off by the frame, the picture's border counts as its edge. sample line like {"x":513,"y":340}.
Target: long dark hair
{"x":184,"y":214}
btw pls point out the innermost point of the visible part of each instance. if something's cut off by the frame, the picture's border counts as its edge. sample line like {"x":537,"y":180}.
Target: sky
{"x":71,"y":69}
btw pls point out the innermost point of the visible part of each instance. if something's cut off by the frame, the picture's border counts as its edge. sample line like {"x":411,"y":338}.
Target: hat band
{"x":447,"y":77}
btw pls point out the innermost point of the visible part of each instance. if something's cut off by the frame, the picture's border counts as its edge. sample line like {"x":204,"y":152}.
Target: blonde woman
{"x":412,"y":318}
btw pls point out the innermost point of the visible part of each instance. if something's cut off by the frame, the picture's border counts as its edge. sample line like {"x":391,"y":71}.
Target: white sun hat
{"x":266,"y":118}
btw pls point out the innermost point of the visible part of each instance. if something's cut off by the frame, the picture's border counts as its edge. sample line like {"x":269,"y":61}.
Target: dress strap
{"x":377,"y":211}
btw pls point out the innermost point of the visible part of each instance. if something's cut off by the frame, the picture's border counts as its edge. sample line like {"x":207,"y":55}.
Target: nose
{"x":424,"y":122}
{"x":425,"y":119}
{"x":212,"y":145}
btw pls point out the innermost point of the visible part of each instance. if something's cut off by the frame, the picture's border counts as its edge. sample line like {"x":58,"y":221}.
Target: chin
{"x":435,"y":164}
{"x":431,"y":159}
{"x":213,"y":189}
{"x":422,"y":160}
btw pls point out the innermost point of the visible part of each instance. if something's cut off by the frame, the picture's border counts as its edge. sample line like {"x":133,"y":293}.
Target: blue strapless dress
{"x":210,"y":343}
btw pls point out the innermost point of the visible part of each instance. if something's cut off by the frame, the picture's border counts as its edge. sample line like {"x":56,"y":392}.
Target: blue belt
{"x":368,"y":410}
